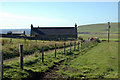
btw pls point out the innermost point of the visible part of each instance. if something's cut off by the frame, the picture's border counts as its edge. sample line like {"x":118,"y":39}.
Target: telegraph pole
{"x":108,"y":31}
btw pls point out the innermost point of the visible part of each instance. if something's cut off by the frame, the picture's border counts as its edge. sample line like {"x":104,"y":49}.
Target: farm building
{"x":54,"y":32}
{"x":16,"y":32}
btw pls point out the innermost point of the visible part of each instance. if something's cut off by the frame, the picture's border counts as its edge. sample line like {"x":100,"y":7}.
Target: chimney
{"x":75,"y":25}
{"x":31,"y":29}
{"x":31,"y":26}
{"x":76,"y":30}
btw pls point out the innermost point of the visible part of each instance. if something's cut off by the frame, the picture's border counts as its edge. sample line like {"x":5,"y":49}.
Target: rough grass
{"x":34,"y":64}
{"x":29,"y":46}
{"x":100,"y":62}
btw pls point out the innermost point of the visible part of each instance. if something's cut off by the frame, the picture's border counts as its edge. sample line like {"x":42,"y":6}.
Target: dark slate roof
{"x":16,"y":32}
{"x":53,"y":30}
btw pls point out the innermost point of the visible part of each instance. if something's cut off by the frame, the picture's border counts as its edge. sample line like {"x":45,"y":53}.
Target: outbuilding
{"x":16,"y":32}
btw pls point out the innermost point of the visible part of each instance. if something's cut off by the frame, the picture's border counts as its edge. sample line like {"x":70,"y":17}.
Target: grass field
{"x":113,"y":37}
{"x":100,"y":29}
{"x":30,"y":46}
{"x":33,"y":65}
{"x":100,"y":62}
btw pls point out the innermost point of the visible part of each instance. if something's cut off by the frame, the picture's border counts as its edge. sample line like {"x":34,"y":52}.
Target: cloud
{"x":9,"y":20}
{"x":9,"y":16}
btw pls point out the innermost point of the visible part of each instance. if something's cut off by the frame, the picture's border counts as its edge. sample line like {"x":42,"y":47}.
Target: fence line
{"x":86,"y":44}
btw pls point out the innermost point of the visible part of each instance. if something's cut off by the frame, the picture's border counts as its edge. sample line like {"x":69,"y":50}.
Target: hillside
{"x":98,"y":28}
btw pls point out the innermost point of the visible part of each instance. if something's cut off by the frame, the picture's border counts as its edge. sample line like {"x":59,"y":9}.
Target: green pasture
{"x":99,"y":62}
{"x":99,"y":28}
{"x":113,"y":37}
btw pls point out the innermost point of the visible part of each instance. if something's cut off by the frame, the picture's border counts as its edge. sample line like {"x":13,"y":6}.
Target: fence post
{"x":64,"y":47}
{"x":1,"y":55}
{"x":81,"y":44}
{"x":10,"y":41}
{"x":42,"y":55}
{"x":70,"y":47}
{"x":78,"y":45}
{"x":55,"y":50}
{"x":21,"y":56}
{"x":88,"y":43}
{"x":74,"y":46}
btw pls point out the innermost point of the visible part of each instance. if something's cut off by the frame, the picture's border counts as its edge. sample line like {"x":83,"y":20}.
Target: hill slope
{"x":98,"y":28}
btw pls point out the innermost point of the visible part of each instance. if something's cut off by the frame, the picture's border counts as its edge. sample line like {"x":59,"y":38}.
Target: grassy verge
{"x":30,"y":46}
{"x":100,"y":62}
{"x":33,"y":65}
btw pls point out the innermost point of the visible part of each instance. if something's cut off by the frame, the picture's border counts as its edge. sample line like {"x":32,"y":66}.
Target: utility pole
{"x":108,"y":31}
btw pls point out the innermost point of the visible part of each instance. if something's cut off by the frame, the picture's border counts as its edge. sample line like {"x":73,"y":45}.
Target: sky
{"x":20,"y":15}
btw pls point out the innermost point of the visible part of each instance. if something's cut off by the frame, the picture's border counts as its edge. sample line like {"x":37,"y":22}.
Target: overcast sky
{"x":17,"y":15}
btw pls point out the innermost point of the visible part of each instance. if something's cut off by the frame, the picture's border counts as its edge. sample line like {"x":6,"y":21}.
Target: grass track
{"x":100,"y":62}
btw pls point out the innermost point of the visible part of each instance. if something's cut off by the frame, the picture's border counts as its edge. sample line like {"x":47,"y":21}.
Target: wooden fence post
{"x":81,"y":44}
{"x":64,"y":47}
{"x":21,"y":56}
{"x":88,"y":43}
{"x":42,"y":55}
{"x":55,"y":50}
{"x":10,"y":41}
{"x":78,"y":45}
{"x":1,"y":72}
{"x":70,"y":47}
{"x":74,"y":46}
